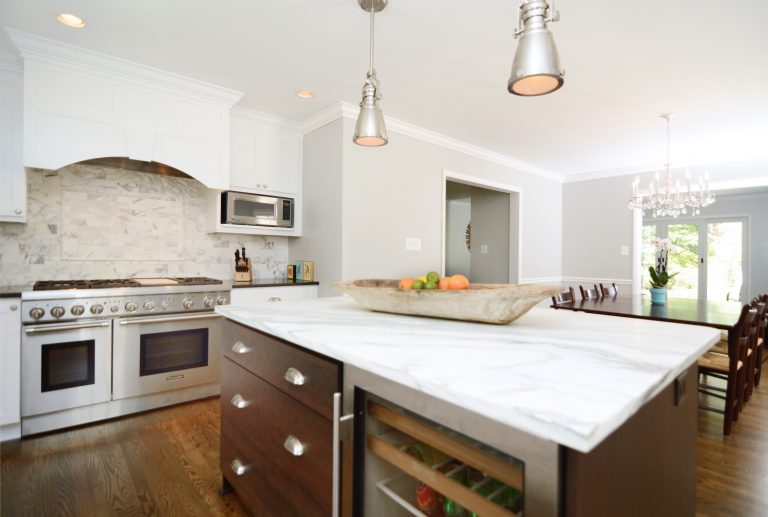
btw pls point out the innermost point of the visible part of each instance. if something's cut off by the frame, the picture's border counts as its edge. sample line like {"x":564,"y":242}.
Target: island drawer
{"x":305,"y":376}
{"x":296,"y":439}
{"x":433,"y":462}
{"x":260,"y":484}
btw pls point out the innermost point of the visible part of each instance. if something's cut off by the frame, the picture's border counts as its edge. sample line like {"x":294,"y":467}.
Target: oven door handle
{"x":74,"y":326}
{"x":168,"y":320}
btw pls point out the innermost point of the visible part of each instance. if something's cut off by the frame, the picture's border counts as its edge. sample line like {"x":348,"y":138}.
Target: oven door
{"x":65,"y":366}
{"x":165,"y":353}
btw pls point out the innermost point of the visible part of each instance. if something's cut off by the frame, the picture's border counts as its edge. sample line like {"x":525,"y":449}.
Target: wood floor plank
{"x":166,"y":462}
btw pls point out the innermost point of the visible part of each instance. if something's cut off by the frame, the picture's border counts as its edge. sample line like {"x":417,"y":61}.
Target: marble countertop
{"x":272,"y":282}
{"x":564,"y":376}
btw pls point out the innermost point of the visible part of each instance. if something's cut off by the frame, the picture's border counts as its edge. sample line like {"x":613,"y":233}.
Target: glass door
{"x":725,"y":260}
{"x":711,"y":261}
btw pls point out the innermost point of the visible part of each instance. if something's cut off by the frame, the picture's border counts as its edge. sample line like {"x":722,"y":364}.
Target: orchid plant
{"x":659,"y":275}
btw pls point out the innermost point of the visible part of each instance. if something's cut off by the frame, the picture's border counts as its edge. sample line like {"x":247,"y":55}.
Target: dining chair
{"x":610,"y":290}
{"x":729,"y":368}
{"x":591,"y":293}
{"x":759,"y":341}
{"x":565,"y":297}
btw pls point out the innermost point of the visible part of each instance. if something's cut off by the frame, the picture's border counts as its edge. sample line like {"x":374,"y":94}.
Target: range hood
{"x":81,"y":105}
{"x":137,"y":165}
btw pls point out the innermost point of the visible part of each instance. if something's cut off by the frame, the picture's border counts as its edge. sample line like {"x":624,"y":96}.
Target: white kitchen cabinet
{"x":251,"y":295}
{"x":80,"y":105}
{"x":13,"y":176}
{"x":10,"y":368}
{"x":265,"y":154}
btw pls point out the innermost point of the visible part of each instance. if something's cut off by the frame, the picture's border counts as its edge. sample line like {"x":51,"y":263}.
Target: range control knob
{"x":221,"y":300}
{"x":164,"y":306}
{"x":149,"y":305}
{"x":97,"y":308}
{"x":209,"y":302}
{"x":131,"y":306}
{"x":188,"y":303}
{"x":77,"y":310}
{"x":57,"y":312}
{"x":114,"y":308}
{"x":36,"y":313}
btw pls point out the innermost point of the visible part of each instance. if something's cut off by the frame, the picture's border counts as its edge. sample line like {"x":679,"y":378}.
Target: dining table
{"x":710,"y":313}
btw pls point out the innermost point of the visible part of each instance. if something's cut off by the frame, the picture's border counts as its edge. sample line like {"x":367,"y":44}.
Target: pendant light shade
{"x":370,"y":130}
{"x":536,"y":66}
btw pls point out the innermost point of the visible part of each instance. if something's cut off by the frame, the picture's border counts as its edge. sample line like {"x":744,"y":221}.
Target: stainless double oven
{"x":105,"y":348}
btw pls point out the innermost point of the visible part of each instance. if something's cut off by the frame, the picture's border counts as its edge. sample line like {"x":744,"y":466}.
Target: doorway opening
{"x":481,"y":230}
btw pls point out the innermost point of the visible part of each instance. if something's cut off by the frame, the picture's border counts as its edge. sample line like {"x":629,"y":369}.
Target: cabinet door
{"x":13,"y":177}
{"x":10,"y":360}
{"x":264,"y":159}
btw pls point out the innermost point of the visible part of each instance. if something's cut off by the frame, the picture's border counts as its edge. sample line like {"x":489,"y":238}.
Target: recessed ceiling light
{"x":305,"y":94}
{"x":70,"y":20}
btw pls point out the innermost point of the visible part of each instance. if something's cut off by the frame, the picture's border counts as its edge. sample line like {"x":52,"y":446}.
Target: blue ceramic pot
{"x":658,"y":296}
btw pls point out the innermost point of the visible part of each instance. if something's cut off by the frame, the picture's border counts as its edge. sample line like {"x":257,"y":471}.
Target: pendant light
{"x":536,"y":67}
{"x":370,"y":130}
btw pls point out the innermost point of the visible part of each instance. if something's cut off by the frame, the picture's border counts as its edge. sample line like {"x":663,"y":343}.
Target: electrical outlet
{"x":412,"y":244}
{"x":625,"y":250}
{"x":484,"y":249}
{"x":681,"y":388}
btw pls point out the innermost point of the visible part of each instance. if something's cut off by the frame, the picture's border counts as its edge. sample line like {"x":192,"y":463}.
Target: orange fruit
{"x":405,"y":283}
{"x":443,"y":284}
{"x":458,"y":282}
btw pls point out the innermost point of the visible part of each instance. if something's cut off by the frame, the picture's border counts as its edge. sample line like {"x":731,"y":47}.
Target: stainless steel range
{"x":95,"y":349}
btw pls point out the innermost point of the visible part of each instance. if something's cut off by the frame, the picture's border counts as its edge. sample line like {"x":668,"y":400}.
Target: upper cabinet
{"x":13,"y":177}
{"x":80,"y":105}
{"x":265,"y":153}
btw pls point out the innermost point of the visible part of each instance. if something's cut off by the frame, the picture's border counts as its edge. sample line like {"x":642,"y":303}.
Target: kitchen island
{"x":570,"y":395}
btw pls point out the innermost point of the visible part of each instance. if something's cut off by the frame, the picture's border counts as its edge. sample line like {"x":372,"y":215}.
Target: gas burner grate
{"x":51,"y":285}
{"x":197,"y":280}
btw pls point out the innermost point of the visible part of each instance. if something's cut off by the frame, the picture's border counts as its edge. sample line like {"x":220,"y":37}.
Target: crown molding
{"x":344,"y":109}
{"x":55,"y":52}
{"x":259,"y":118}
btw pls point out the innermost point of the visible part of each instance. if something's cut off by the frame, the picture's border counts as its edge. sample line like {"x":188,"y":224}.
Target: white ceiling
{"x":444,"y":64}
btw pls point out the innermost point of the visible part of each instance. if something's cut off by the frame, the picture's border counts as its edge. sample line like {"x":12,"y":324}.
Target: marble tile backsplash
{"x":87,"y":221}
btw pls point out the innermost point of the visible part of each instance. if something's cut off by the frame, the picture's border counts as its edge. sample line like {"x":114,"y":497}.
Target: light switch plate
{"x":484,"y":249}
{"x":625,"y":250}
{"x":412,"y":244}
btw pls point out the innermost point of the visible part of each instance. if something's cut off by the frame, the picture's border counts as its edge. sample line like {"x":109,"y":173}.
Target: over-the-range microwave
{"x":256,"y":210}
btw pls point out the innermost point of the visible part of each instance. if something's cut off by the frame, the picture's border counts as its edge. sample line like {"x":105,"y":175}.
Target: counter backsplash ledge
{"x":87,"y":221}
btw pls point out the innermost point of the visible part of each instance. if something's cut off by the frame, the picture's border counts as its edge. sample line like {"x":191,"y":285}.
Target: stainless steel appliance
{"x":94,"y":349}
{"x":256,"y":210}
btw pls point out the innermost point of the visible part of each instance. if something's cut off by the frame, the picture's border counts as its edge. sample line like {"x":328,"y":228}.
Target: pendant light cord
{"x":370,"y":69}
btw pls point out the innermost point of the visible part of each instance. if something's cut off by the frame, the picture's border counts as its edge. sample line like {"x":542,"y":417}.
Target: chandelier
{"x":668,"y":200}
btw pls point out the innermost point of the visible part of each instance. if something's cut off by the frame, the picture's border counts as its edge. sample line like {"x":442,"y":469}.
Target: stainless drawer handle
{"x":239,"y":402}
{"x":240,"y":348}
{"x":238,"y":467}
{"x":294,"y":446}
{"x":275,"y":299}
{"x":294,"y":376}
{"x":175,"y":377}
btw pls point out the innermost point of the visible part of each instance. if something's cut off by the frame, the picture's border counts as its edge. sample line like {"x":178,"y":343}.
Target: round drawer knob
{"x":294,"y":446}
{"x":238,"y":467}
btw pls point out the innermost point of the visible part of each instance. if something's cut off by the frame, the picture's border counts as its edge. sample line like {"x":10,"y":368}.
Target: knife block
{"x":243,"y":271}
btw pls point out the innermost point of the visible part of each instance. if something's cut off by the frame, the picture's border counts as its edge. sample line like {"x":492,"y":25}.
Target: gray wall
{"x":490,"y":228}
{"x":458,"y":214}
{"x":394,"y":192}
{"x":89,"y":222}
{"x":596,"y":221}
{"x":322,"y":206}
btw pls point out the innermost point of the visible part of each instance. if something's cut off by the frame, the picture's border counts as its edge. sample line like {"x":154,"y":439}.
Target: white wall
{"x":458,"y":214}
{"x":322,"y":206}
{"x":395,"y":192}
{"x":88,"y":222}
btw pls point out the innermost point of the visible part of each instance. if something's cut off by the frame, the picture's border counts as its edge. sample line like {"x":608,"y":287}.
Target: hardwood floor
{"x":166,"y":462}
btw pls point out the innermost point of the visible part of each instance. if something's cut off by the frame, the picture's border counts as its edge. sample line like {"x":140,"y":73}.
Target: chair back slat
{"x":608,"y":290}
{"x":568,"y":296}
{"x":591,"y":293}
